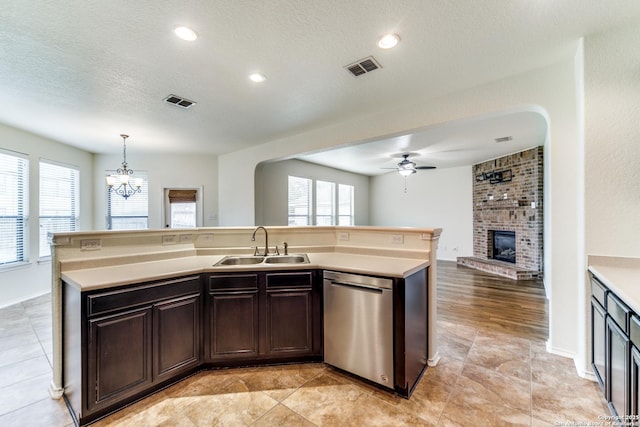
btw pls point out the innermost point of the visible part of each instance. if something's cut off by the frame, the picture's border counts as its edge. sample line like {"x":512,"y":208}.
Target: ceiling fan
{"x":406,"y":167}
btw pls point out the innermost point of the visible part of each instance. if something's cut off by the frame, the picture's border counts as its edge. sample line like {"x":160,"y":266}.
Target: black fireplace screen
{"x":504,"y":246}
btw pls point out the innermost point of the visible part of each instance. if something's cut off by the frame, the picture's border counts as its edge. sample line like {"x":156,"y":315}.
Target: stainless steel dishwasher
{"x":358,"y":325}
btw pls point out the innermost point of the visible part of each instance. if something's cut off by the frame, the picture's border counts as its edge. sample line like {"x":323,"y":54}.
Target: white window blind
{"x":345,"y":204}
{"x":14,"y":207}
{"x":325,"y":203}
{"x":299,"y":202}
{"x":59,"y":201}
{"x":131,"y":213}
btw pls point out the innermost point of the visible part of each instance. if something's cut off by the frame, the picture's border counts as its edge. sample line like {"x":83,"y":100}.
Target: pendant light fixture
{"x":123,"y":182}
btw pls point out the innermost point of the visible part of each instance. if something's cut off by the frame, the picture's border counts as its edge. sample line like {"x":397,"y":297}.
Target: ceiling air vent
{"x":179,"y":101}
{"x":504,"y":139}
{"x":363,"y":66}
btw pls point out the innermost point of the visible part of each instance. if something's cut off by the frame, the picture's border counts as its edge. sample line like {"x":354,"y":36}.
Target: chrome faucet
{"x":266,"y":240}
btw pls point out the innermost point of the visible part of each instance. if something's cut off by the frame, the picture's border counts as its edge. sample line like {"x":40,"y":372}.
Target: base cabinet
{"x":618,"y":351}
{"x":177,"y":336}
{"x":233,"y":316}
{"x":121,"y":344}
{"x":598,"y":344}
{"x":263,"y":316}
{"x":119,"y":354}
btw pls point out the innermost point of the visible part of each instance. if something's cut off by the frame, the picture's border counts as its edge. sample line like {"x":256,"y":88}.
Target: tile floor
{"x":485,"y":378}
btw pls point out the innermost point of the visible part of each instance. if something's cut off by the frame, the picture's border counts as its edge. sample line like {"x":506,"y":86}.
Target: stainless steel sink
{"x":271,"y":259}
{"x":240,"y":260}
{"x":287,"y":259}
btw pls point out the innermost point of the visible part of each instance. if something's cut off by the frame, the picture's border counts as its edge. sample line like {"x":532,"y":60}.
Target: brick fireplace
{"x":507,"y":212}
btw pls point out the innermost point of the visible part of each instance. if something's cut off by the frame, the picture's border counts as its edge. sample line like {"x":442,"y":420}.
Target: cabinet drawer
{"x":618,"y":312}
{"x":122,"y":299}
{"x":233,"y":282}
{"x":289,"y":280}
{"x":634,"y":330}
{"x":599,"y":291}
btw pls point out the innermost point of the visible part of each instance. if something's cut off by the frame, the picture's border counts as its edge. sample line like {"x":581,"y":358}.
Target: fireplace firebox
{"x":504,"y":246}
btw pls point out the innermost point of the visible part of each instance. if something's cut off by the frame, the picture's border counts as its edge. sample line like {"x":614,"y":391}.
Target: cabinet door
{"x":289,"y":314}
{"x":618,"y":369}
{"x":233,"y":324}
{"x":635,"y":386}
{"x":119,"y":359}
{"x":598,"y":333}
{"x":177,"y":337}
{"x":289,"y":322}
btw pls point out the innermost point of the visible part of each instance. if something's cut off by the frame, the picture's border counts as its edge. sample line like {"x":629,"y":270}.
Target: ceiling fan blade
{"x":425,"y":167}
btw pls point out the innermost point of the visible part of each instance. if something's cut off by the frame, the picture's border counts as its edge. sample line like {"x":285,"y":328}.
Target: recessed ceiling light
{"x":387,"y":41}
{"x":185,"y":33}
{"x":257,"y":77}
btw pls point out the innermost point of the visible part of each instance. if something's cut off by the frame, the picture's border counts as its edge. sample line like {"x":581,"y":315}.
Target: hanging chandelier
{"x":123,"y":182}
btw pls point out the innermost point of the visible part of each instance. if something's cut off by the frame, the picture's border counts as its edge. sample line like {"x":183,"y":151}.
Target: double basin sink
{"x":259,"y":259}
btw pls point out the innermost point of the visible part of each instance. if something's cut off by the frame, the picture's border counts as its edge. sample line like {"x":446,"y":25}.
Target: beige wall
{"x":34,"y":278}
{"x":164,"y":171}
{"x":271,"y":189}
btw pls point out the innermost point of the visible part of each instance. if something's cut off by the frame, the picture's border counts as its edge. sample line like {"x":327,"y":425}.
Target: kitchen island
{"x":135,"y":311}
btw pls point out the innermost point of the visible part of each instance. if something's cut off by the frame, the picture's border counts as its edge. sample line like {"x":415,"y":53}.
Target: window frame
{"x":312,"y":206}
{"x":21,"y":217}
{"x":74,"y":209}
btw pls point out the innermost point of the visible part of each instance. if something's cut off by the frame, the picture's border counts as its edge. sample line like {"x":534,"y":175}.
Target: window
{"x":331,"y":207}
{"x":182,"y":208}
{"x":299,"y":204}
{"x":14,"y":207}
{"x":59,"y":201}
{"x":345,"y":204}
{"x":325,"y":203}
{"x":131,"y":213}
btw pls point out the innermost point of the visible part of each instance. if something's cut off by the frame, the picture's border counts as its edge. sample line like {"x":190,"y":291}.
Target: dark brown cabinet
{"x":265,"y":316}
{"x":119,"y":359}
{"x":289,"y":312}
{"x":177,"y":336}
{"x":233,"y":316}
{"x":598,"y":332}
{"x":122,"y":343}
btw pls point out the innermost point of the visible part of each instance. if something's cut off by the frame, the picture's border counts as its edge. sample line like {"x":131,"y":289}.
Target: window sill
{"x":15,"y":266}
{"x":44,"y":260}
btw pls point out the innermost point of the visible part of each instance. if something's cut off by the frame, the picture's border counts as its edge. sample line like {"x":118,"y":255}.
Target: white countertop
{"x":105,"y":277}
{"x":621,"y":275}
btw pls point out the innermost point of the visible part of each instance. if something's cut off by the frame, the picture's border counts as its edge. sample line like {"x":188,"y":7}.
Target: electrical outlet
{"x":490,"y":197}
{"x":205,"y":238}
{"x":505,"y":196}
{"x":185,"y":238}
{"x":344,"y":236}
{"x":91,"y":245}
{"x":170,"y":239}
{"x":397,"y":239}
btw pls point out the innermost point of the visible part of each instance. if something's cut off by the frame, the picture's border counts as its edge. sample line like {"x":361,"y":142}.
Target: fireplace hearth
{"x":504,"y":246}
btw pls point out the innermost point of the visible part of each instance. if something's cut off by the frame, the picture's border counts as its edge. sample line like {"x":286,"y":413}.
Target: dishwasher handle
{"x":357,"y":286}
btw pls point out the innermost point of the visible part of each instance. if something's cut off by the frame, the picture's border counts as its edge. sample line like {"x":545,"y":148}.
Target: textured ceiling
{"x":82,"y":72}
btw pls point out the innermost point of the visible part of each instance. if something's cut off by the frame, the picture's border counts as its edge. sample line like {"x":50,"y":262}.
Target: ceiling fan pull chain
{"x":405,"y":185}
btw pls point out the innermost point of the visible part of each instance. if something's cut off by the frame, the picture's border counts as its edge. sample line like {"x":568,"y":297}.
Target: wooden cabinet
{"x":233,"y":308}
{"x":618,"y":369}
{"x":634,"y":384}
{"x":289,"y":314}
{"x":122,"y":343}
{"x":177,"y":336}
{"x":119,"y":357}
{"x":265,"y":316}
{"x":598,"y":347}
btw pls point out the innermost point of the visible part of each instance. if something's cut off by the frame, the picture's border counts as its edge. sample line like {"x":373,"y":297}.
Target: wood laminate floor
{"x":494,"y":371}
{"x":482,"y":300}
